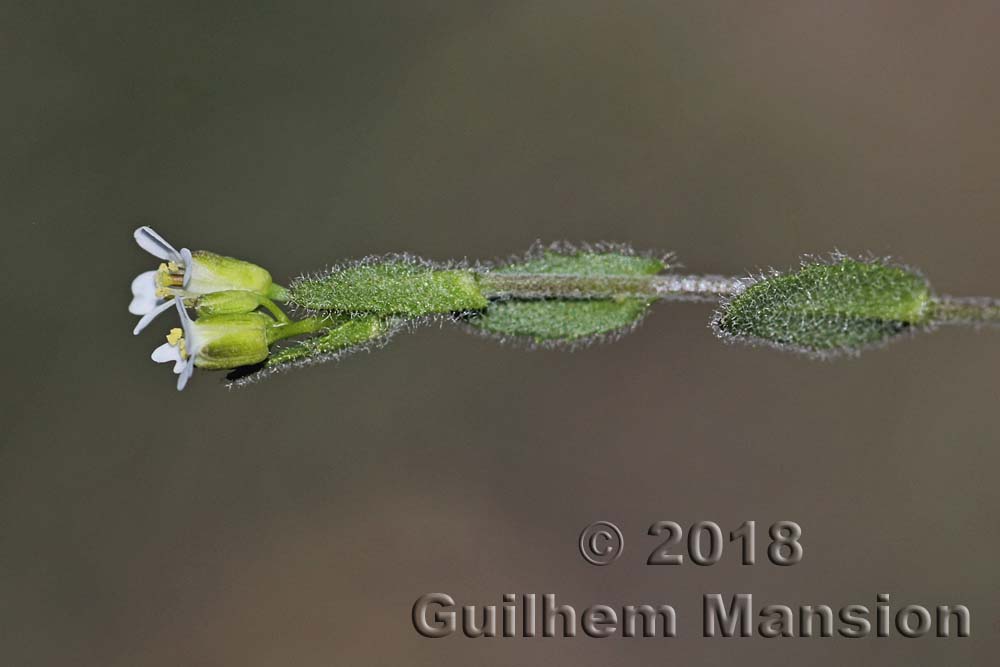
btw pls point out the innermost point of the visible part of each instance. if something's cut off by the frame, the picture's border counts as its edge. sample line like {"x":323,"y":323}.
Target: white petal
{"x":190,"y":328}
{"x":186,"y":324}
{"x":144,"y":283}
{"x":150,"y":316}
{"x":185,"y":375}
{"x":155,"y":245}
{"x":168,"y":353}
{"x":185,"y":318}
{"x":143,"y":293}
{"x":188,"y":262}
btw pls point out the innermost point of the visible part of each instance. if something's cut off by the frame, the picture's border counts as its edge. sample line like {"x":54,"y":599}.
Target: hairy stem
{"x":666,"y":287}
{"x":965,"y":310}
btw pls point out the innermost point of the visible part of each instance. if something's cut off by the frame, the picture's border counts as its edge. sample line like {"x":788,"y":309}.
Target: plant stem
{"x":277,"y":292}
{"x":965,"y":310}
{"x":667,"y":287}
{"x":309,"y":325}
{"x":273,"y":308}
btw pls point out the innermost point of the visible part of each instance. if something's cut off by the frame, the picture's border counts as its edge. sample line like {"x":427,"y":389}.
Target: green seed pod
{"x":549,"y":320}
{"x":390,"y":286}
{"x":842,"y":306}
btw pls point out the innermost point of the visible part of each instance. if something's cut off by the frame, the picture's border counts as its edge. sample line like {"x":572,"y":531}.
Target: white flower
{"x":153,"y":291}
{"x":176,"y":349}
{"x":215,"y":342}
{"x":185,"y":275}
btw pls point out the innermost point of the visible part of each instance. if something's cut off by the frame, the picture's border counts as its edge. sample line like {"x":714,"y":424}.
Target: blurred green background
{"x":296,"y":522}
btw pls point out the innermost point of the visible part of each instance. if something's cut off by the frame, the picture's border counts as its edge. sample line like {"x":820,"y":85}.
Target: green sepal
{"x":843,"y":306}
{"x":211,"y":272}
{"x":390,"y":287}
{"x":232,"y":340}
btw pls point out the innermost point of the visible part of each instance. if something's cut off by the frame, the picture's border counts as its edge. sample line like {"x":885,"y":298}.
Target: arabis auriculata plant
{"x":558,"y":295}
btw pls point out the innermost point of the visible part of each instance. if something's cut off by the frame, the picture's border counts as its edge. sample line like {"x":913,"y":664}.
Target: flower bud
{"x":227,"y":302}
{"x":214,"y":273}
{"x":224,"y":342}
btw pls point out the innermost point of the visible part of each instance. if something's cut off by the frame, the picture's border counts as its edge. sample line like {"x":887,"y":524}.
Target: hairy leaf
{"x":560,"y":320}
{"x":343,"y":336}
{"x":395,"y":286}
{"x":843,"y":306}
{"x":551,"y":320}
{"x":587,"y":263}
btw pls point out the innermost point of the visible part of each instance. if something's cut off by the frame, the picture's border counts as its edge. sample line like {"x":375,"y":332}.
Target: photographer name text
{"x":530,"y":615}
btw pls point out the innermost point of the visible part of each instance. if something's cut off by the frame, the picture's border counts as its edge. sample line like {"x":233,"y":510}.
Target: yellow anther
{"x":176,"y":338}
{"x":169,"y":274}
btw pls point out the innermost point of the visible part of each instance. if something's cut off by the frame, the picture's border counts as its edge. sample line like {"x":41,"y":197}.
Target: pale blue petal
{"x":166,"y":354}
{"x":143,"y":293}
{"x":150,"y":316}
{"x":155,"y":245}
{"x":188,"y":262}
{"x":185,"y":375}
{"x":185,"y":319}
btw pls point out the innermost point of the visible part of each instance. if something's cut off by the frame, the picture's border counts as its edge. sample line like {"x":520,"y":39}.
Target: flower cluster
{"x":225,"y":293}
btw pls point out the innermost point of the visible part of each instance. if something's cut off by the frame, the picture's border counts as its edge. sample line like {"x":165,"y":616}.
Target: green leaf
{"x":551,"y":320}
{"x":560,"y":320}
{"x":343,"y":336}
{"x":395,"y":286}
{"x":843,"y":306}
{"x":568,"y":261}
